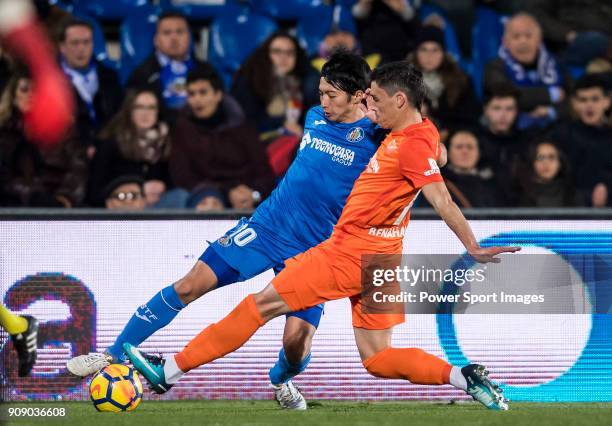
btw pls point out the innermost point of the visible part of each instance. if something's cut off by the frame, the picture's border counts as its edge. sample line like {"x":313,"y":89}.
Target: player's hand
{"x":442,"y":156}
{"x":368,"y":112}
{"x":487,"y":254}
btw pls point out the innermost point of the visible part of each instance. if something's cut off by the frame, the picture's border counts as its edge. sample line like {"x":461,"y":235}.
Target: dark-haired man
{"x":587,"y":140}
{"x":373,"y":222}
{"x":213,"y":143}
{"x":337,"y":144}
{"x":165,"y":70}
{"x":502,"y":144}
{"x":97,"y":89}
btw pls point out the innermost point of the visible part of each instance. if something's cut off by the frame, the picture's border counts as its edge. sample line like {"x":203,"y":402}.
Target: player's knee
{"x":199,"y":281}
{"x":269,"y":304}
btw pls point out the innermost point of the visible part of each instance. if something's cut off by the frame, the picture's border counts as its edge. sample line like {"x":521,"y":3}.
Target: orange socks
{"x":411,"y":364}
{"x":223,"y":337}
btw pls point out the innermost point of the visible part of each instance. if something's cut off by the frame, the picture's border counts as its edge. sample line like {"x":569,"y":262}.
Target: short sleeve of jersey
{"x":417,"y":161}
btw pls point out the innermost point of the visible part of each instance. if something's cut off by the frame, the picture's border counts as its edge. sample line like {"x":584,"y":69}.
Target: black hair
{"x":205,"y":72}
{"x":258,"y":71}
{"x":501,"y":90}
{"x":401,"y":76}
{"x":169,"y":14}
{"x":73,"y":22}
{"x":347,"y":72}
{"x":590,"y":81}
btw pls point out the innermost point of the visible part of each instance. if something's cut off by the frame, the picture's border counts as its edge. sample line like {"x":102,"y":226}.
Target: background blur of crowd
{"x":200,"y":104}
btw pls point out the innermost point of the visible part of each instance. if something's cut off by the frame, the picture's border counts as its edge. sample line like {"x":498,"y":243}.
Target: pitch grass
{"x":169,"y":413}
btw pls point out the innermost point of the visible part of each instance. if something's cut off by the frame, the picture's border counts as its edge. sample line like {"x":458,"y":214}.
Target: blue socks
{"x":282,"y":371}
{"x":155,"y":314}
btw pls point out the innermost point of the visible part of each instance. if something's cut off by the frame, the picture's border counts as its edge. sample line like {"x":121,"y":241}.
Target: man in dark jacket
{"x":588,"y":141}
{"x":525,"y":63}
{"x":97,"y":90}
{"x":212,"y":143}
{"x":502,"y":145}
{"x":165,"y":70}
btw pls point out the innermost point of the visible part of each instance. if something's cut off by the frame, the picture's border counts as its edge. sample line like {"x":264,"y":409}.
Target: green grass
{"x":321,"y":413}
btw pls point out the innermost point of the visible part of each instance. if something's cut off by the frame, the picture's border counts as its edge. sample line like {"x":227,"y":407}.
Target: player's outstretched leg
{"x":215,"y":341}
{"x":419,"y":367}
{"x":158,"y":312}
{"x":294,"y":357}
{"x":23,"y":330}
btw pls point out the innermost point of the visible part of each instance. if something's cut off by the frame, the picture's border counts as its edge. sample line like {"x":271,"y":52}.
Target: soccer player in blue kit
{"x":300,"y":213}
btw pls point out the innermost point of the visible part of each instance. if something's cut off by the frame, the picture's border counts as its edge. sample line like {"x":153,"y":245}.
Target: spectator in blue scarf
{"x":96,"y":87}
{"x":525,"y":63}
{"x":165,"y":70}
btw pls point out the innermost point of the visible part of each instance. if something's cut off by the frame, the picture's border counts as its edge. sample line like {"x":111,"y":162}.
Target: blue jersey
{"x":305,"y":206}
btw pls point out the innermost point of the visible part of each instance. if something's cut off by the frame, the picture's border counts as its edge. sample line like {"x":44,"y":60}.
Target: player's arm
{"x":418,"y":160}
{"x":50,"y":112}
{"x":439,"y":197}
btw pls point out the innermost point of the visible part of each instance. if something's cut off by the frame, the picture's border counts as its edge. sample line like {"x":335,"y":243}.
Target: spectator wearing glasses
{"x":546,"y":180}
{"x":165,"y":70}
{"x":135,"y":142}
{"x":270,"y":89}
{"x":96,"y":87}
{"x":125,"y":193}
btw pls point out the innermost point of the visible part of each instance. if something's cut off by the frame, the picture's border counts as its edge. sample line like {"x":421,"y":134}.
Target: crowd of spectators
{"x":537,"y":133}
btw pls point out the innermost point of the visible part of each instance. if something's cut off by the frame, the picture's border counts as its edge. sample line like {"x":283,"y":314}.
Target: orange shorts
{"x":328,"y":272}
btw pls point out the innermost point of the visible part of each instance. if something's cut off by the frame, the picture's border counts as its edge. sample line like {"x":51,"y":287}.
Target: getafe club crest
{"x":355,"y":134}
{"x":225,"y":241}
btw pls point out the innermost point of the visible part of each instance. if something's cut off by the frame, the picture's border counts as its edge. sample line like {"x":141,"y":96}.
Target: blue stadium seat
{"x":108,"y":9}
{"x":288,"y":10}
{"x":136,"y":38}
{"x":486,"y":39}
{"x":311,"y":29}
{"x":233,"y":38}
{"x":197,"y":10}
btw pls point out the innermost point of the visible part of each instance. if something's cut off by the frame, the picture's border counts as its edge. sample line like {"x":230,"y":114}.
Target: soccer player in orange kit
{"x":373,"y":221}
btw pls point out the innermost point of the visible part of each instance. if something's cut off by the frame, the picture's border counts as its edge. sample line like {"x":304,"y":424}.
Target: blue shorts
{"x":244,"y":252}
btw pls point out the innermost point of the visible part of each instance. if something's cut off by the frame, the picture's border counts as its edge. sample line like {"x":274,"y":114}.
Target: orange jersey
{"x":377,"y":211}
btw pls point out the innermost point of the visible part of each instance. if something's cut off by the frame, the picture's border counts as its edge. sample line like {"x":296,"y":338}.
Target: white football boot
{"x":289,"y":396}
{"x":86,"y":365}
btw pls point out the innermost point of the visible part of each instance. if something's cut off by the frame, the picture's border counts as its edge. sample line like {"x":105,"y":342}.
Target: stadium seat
{"x":486,"y":39}
{"x":197,"y":10}
{"x":233,"y":38}
{"x":288,"y":10}
{"x":136,"y":38}
{"x":108,"y":9}
{"x":313,"y":27}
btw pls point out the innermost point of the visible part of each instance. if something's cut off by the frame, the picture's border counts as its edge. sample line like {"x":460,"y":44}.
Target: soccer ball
{"x":116,"y":388}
